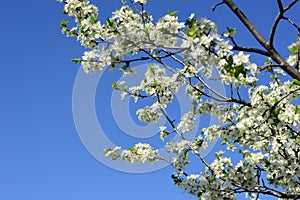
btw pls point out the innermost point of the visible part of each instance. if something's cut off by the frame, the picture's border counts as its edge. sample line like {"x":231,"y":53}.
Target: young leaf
{"x":172,"y":13}
{"x":76,"y":60}
{"x":63,"y":24}
{"x":114,"y":85}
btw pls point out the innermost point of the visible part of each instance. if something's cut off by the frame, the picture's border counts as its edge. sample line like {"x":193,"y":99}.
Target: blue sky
{"x":42,"y":156}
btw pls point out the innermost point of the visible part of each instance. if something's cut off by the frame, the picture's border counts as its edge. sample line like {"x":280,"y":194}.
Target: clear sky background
{"x":41,"y":154}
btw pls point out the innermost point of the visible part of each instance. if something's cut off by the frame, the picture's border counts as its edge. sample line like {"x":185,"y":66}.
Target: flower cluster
{"x":294,"y":52}
{"x":87,"y":26}
{"x":139,"y":153}
{"x":161,"y":87}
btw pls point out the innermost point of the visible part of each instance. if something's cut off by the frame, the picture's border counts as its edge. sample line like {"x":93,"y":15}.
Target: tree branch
{"x":252,"y":50}
{"x":215,"y":6}
{"x":272,"y":51}
{"x":261,"y":68}
{"x":292,"y":23}
{"x":247,"y":49}
{"x":280,"y":5}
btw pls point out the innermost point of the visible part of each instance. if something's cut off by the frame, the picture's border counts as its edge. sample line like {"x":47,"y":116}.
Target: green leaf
{"x":229,"y":67}
{"x":237,"y":70}
{"x":177,"y":180}
{"x":247,"y":154}
{"x":275,"y":112}
{"x":125,"y":67}
{"x":239,"y":169}
{"x":172,"y":13}
{"x":76,"y":60}
{"x":231,"y":30}
{"x":293,"y":48}
{"x":106,"y":150}
{"x":297,"y":109}
{"x":217,"y":155}
{"x":296,"y":82}
{"x":274,"y":76}
{"x":244,"y":153}
{"x":234,"y":70}
{"x":94,"y":19}
{"x":226,"y":188}
{"x":65,"y":12}
{"x":191,"y":22}
{"x":133,"y":150}
{"x":114,"y":85}
{"x":63,"y":24}
{"x":229,"y":61}
{"x":266,"y":162}
{"x":268,"y":61}
{"x":114,"y":157}
{"x":192,"y":32}
{"x":110,"y":22}
{"x":224,"y":142}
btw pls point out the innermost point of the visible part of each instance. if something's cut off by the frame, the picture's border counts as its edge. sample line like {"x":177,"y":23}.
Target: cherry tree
{"x":258,"y":119}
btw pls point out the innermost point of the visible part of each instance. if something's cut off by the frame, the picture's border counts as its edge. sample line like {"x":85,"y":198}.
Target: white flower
{"x":187,"y":122}
{"x":192,"y":15}
{"x":141,"y":1}
{"x":193,"y":177}
{"x":240,"y":58}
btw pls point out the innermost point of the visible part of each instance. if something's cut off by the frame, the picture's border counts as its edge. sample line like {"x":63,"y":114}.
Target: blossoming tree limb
{"x":259,"y":121}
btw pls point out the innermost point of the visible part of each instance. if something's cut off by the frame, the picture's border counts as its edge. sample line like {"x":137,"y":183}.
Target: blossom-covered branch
{"x":259,"y":115}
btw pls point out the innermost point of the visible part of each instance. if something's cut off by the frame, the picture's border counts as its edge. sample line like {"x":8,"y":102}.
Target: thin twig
{"x":278,"y":18}
{"x":261,"y":68}
{"x":217,"y":5}
{"x":252,"y":50}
